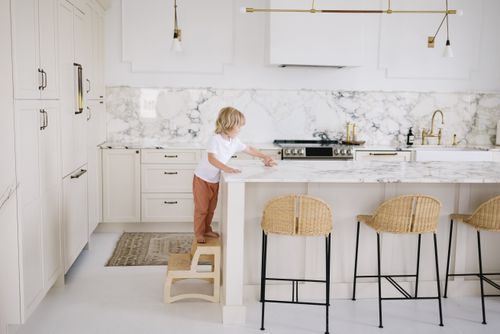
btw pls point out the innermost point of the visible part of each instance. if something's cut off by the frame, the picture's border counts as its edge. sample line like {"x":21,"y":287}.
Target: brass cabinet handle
{"x":88,"y":81}
{"x":80,"y":88}
{"x":171,"y":156}
{"x":170,"y":202}
{"x":170,"y":173}
{"x":388,"y":153}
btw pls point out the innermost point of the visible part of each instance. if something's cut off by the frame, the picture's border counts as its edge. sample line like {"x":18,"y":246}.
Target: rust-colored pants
{"x":205,"y":201}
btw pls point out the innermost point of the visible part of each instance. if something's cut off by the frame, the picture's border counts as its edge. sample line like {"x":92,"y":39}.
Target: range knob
{"x":342,"y":152}
{"x":335,"y":152}
{"x":287,"y":151}
{"x":349,"y":152}
{"x":294,"y":151}
{"x":302,"y":152}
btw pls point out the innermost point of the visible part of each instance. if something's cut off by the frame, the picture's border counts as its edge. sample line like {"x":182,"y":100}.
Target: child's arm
{"x":217,"y":164}
{"x":268,"y":161}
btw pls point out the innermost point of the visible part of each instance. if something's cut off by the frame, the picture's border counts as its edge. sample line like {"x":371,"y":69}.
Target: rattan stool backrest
{"x":407,"y":214}
{"x":297,"y":215}
{"x":487,"y":215}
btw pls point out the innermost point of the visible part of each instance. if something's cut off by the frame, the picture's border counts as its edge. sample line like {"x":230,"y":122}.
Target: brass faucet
{"x":426,"y":133}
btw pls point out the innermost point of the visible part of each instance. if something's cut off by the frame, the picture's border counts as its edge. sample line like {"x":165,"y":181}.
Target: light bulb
{"x":448,"y":51}
{"x":176,"y":45}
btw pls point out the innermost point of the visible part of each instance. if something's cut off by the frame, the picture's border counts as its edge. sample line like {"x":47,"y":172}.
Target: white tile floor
{"x":123,"y":300}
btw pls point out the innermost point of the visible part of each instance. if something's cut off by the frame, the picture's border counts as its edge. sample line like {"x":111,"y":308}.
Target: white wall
{"x":9,"y":276}
{"x":396,"y":54}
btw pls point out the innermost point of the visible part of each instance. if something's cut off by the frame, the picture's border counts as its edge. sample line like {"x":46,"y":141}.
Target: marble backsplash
{"x":381,"y":118}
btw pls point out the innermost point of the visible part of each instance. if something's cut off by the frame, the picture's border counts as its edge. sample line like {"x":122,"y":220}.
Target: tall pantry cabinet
{"x":46,"y":59}
{"x":73,"y":60}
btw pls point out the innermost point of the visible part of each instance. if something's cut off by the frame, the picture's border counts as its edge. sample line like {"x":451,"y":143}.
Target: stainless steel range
{"x":314,"y":149}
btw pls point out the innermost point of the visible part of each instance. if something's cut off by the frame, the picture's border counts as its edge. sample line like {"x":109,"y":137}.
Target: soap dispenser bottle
{"x":410,"y":137}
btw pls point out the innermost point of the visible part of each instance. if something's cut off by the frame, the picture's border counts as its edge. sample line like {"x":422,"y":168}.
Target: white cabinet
{"x":96,"y":135}
{"x":121,"y":186}
{"x":73,"y":118}
{"x":94,"y":82}
{"x":39,"y":198}
{"x":451,"y":154}
{"x":382,"y":155}
{"x":76,"y":227}
{"x":167,"y":183}
{"x":34,"y":49}
{"x":318,"y":39}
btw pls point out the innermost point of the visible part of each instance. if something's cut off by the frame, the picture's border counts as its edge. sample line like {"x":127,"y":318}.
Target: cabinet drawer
{"x":167,"y":208}
{"x":383,"y":155}
{"x":170,"y":156}
{"x":167,"y":178}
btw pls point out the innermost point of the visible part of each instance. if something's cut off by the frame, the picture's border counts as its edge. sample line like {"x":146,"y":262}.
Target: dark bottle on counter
{"x":410,"y":138}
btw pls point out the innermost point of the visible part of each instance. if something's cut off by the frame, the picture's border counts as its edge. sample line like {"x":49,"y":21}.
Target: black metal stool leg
{"x":263,"y":278}
{"x":355,"y":264}
{"x":448,"y":261}
{"x":418,"y":264}
{"x":438,"y":281}
{"x":481,"y":275}
{"x":328,"y":245}
{"x":379,"y":284}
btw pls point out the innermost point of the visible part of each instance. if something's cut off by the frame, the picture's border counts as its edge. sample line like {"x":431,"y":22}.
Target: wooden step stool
{"x":185,"y":266}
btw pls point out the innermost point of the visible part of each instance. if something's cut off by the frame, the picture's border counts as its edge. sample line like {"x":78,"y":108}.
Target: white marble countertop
{"x":148,"y":144}
{"x":140,"y":144}
{"x":366,"y":172}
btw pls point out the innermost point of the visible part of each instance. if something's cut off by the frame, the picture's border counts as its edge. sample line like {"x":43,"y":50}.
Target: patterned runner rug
{"x":148,"y":248}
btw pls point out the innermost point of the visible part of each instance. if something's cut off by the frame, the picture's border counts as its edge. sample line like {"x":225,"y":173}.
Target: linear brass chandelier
{"x":448,"y":52}
{"x":313,"y":10}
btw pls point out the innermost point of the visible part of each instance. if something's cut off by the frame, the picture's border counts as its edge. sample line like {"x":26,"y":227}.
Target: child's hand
{"x":232,"y":170}
{"x":269,"y":162}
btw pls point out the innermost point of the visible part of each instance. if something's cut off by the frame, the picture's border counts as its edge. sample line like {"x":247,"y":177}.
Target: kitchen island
{"x":350,"y":188}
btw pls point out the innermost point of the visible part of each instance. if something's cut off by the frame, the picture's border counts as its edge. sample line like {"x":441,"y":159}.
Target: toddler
{"x":221,"y":146}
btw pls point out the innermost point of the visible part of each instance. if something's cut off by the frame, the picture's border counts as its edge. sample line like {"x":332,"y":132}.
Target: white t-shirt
{"x":223,"y":150}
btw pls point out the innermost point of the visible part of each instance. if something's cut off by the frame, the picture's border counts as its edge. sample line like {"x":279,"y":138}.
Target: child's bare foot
{"x":212,"y":234}
{"x":200,"y":239}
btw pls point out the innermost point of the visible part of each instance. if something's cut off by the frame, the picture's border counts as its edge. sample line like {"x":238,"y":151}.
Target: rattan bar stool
{"x":407,"y":214}
{"x":296,"y":215}
{"x":487,"y":218}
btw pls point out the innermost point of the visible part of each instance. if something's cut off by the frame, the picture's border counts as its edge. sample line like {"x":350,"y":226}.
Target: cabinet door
{"x":67,"y":80}
{"x":76,"y":229}
{"x":50,"y":189}
{"x":93,"y":164}
{"x":383,"y":156}
{"x":27,"y":131}
{"x":48,"y":48}
{"x":25,"y":50}
{"x":100,"y":87}
{"x":121,"y":186}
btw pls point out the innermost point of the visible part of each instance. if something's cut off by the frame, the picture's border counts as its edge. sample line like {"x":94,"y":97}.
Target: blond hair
{"x":228,"y":119}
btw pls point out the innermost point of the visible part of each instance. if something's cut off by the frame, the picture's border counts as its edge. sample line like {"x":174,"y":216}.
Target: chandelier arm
{"x":440,"y":25}
{"x":447,"y":25}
